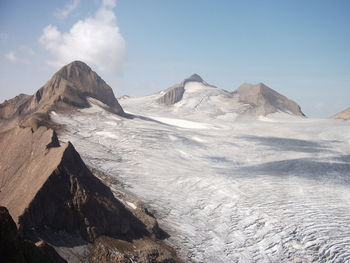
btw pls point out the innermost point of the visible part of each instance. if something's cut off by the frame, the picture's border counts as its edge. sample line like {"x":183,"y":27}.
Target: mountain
{"x":175,"y":93}
{"x":264,"y":100}
{"x":195,"y":97}
{"x":68,"y":89}
{"x":50,"y":192}
{"x":343,"y":115}
{"x":41,"y":180}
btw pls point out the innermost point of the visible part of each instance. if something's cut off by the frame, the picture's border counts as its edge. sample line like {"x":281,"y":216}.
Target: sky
{"x":139,"y":47}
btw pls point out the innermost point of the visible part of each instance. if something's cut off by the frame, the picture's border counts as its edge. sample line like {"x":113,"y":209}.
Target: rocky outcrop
{"x":47,"y":186}
{"x":264,"y":100}
{"x":343,"y":115}
{"x":49,"y":191}
{"x":14,"y":249}
{"x":138,"y":251}
{"x":175,"y":93}
{"x":68,"y":89}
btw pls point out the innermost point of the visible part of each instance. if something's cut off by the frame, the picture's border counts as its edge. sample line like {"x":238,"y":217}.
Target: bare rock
{"x":264,"y":100}
{"x":13,"y":248}
{"x":109,"y":250}
{"x":47,"y":186}
{"x":175,"y":93}
{"x":68,"y":89}
{"x":343,"y":115}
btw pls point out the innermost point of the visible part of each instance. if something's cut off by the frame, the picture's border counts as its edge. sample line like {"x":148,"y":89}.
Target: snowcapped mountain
{"x":259,"y":189}
{"x":195,"y":97}
{"x":68,"y":89}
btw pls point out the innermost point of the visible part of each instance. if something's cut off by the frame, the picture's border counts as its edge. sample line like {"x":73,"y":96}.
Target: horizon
{"x":301,"y":50}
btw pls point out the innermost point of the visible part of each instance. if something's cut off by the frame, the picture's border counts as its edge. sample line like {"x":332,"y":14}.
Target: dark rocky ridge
{"x":343,"y":115}
{"x":14,"y":249}
{"x":264,"y":100}
{"x":49,"y":191}
{"x":48,"y":186}
{"x":68,"y":89}
{"x":175,"y":93}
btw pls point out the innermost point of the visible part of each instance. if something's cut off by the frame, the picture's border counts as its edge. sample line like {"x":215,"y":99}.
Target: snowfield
{"x":273,"y":189}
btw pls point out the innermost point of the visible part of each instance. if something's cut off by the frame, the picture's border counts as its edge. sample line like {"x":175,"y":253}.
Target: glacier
{"x":269,"y":189}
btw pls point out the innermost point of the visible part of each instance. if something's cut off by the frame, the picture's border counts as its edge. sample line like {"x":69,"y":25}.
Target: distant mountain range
{"x":193,"y":95}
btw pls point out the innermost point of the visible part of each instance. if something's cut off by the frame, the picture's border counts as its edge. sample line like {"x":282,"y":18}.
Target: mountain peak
{"x":264,"y":100}
{"x":194,"y":78}
{"x":69,"y":88}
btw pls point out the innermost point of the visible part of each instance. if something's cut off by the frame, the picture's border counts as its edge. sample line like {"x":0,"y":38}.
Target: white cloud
{"x":11,"y":56}
{"x":94,"y":40}
{"x":109,"y":3}
{"x":69,"y":8}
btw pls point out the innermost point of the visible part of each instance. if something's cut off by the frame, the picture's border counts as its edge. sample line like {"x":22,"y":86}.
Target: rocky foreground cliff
{"x":51,"y":194}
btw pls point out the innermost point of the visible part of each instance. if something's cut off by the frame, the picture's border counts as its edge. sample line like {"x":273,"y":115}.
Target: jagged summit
{"x":194,"y":78}
{"x":69,"y":88}
{"x":264,"y":100}
{"x":343,"y":115}
{"x":175,"y":93}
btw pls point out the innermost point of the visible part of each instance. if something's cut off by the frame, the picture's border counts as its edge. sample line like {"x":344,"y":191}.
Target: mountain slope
{"x":194,"y":97}
{"x":41,"y":180}
{"x":13,"y":248}
{"x":68,"y":89}
{"x":264,"y":100}
{"x":343,"y":115}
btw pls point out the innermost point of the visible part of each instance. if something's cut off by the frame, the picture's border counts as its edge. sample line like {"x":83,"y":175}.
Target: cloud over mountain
{"x":95,"y":40}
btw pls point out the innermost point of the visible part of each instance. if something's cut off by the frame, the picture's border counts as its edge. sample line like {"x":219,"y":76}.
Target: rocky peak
{"x":343,"y":115}
{"x":68,"y":89}
{"x":264,"y":100}
{"x":193,"y":78}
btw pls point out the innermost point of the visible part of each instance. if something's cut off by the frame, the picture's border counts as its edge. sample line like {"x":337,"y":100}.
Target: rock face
{"x":175,"y":93}
{"x":45,"y":185}
{"x":49,"y":191}
{"x":343,"y":115}
{"x":264,"y":100}
{"x":13,"y":248}
{"x":68,"y":89}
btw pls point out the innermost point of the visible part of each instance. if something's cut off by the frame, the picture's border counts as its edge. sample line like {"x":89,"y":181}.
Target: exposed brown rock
{"x":48,"y":190}
{"x":14,"y":249}
{"x":110,"y":250}
{"x":45,"y":185}
{"x":343,"y":115}
{"x":264,"y":100}
{"x":68,"y":89}
{"x":175,"y":93}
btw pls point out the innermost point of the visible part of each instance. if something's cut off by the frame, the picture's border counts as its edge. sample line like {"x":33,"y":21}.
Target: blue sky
{"x":299,"y":48}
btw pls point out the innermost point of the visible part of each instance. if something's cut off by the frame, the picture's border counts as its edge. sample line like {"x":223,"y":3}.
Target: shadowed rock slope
{"x":175,"y":93}
{"x":264,"y":100}
{"x":49,"y":191}
{"x":68,"y":89}
{"x":343,"y":115}
{"x":14,"y":249}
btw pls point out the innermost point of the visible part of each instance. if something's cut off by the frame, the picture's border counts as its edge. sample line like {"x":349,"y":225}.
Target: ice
{"x":229,"y":191}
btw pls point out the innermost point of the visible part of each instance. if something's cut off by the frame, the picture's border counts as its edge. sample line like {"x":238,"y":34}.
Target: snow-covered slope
{"x":195,"y":97}
{"x":266,"y":190}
